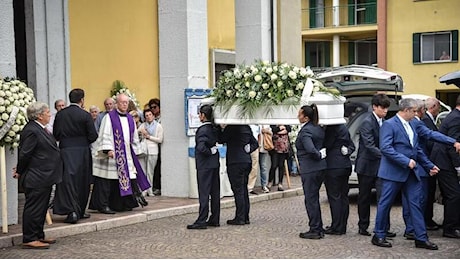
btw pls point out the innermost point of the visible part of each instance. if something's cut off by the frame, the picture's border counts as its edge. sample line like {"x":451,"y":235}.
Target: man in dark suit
{"x":401,"y":159}
{"x":368,"y":159}
{"x":338,"y":148}
{"x":74,"y":129}
{"x":448,"y":161}
{"x":425,"y":136}
{"x":207,"y":167}
{"x":240,"y":144}
{"x":432,"y":106}
{"x":39,"y":167}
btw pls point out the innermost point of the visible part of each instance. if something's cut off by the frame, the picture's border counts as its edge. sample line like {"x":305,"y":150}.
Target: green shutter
{"x":351,"y":12}
{"x":454,"y":55}
{"x":327,"y":54}
{"x":351,"y":53}
{"x":371,"y":12}
{"x":312,"y":13}
{"x":307,"y":55}
{"x":416,"y":48}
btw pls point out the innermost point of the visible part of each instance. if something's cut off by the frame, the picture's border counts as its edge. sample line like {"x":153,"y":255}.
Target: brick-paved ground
{"x":273,"y":233}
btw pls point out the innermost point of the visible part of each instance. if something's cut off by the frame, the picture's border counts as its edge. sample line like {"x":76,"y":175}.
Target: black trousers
{"x":450,"y":190}
{"x":156,"y":185}
{"x":430,"y":199}
{"x":238,"y":176}
{"x":208,"y":186}
{"x":311,"y":183}
{"x":277,"y":162}
{"x":336,"y":182}
{"x":33,"y":217}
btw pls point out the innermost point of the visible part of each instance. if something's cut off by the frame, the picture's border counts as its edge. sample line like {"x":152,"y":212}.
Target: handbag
{"x":268,"y":142}
{"x":143,"y":150}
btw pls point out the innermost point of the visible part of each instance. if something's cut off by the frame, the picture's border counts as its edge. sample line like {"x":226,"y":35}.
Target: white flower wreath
{"x":15,"y":97}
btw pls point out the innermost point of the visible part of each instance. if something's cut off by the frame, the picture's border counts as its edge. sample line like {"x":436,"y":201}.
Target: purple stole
{"x":120,"y":156}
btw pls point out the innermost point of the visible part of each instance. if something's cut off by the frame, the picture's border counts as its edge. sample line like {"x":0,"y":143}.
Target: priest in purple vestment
{"x":118,"y":175}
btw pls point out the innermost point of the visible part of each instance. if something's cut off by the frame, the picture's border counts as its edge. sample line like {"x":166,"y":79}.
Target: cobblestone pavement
{"x":273,"y":233}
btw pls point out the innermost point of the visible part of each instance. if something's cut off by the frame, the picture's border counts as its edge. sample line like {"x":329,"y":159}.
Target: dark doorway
{"x":20,"y":39}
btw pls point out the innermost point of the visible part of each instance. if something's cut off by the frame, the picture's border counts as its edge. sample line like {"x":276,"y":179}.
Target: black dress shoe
{"x":409,"y":236}
{"x":311,"y":235}
{"x":210,"y":224}
{"x":382,"y":242}
{"x":106,"y":210}
{"x":141,"y":200}
{"x":247,"y":222}
{"x":431,"y":225}
{"x":330,"y":231}
{"x":86,"y":215}
{"x":235,"y":222}
{"x":364,"y":232}
{"x":72,"y":218}
{"x":197,"y":226}
{"x":390,"y":234}
{"x":453,"y":234}
{"x":426,"y":244}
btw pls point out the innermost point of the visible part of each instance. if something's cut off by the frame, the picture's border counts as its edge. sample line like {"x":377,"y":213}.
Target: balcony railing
{"x":344,"y":15}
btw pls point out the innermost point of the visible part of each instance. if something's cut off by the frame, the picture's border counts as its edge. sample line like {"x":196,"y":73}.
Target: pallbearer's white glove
{"x":323,"y":153}
{"x":344,"y":150}
{"x":214,"y":149}
{"x":247,"y":148}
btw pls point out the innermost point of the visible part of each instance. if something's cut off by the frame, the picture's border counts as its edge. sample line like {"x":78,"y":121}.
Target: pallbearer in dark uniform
{"x":74,"y":129}
{"x":39,"y":167}
{"x":240,"y":144}
{"x":207,"y":171}
{"x":312,"y":163}
{"x":339,"y":147}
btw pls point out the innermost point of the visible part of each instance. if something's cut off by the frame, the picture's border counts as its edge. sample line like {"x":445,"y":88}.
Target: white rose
{"x":269,"y":70}
{"x":2,"y":101}
{"x":279,"y":83}
{"x":290,"y":93}
{"x":252,"y":94}
{"x":7,"y":102}
{"x":257,"y":78}
{"x":15,"y":128}
{"x":247,"y":84}
{"x":15,"y":145}
{"x":229,"y":93}
{"x":265,"y":86}
{"x":300,"y":85}
{"x":2,"y":109}
{"x":2,"y":93}
{"x":1,"y":122}
{"x":265,"y":62}
{"x":273,"y":77}
{"x":8,"y":139}
{"x":5,"y":116}
{"x":16,"y":103}
{"x":9,"y":109}
{"x":11,"y":133}
{"x":237,"y":86}
{"x":315,"y":89}
{"x":6,"y":86}
{"x":303,"y":72}
{"x":246,"y":75}
{"x":292,"y":74}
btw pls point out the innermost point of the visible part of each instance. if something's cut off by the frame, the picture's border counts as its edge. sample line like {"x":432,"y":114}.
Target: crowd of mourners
{"x":117,"y":152}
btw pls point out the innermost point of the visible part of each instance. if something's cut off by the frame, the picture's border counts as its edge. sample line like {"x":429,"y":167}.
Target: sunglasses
{"x":153,"y":107}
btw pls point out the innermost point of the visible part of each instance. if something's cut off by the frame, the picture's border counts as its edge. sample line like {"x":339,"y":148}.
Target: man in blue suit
{"x":402,"y":157}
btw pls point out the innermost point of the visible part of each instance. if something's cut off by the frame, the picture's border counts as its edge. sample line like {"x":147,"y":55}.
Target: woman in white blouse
{"x":152,"y":133}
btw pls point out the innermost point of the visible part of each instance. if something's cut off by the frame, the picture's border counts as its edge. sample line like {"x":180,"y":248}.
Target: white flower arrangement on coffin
{"x":15,"y":97}
{"x":119,"y":87}
{"x":268,"y":93}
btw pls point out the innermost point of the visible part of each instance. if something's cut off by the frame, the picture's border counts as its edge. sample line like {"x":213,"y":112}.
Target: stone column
{"x":48,"y":56}
{"x":290,"y":32}
{"x":253,"y":31}
{"x":8,"y":69}
{"x":183,"y":50}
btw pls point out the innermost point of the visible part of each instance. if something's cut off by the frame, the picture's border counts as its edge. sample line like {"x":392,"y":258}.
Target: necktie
{"x":409,"y":132}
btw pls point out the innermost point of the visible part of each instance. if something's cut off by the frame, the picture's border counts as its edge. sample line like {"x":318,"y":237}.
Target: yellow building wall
{"x":408,"y":17}
{"x":221,"y":24}
{"x":114,"y":40}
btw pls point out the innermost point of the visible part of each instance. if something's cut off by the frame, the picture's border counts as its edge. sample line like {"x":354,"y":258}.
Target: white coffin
{"x":330,"y":110}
